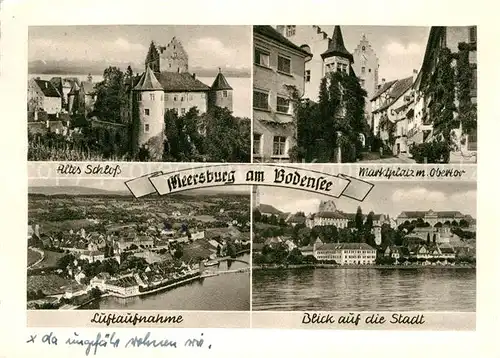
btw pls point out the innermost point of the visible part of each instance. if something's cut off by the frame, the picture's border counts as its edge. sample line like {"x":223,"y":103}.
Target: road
{"x":393,"y":160}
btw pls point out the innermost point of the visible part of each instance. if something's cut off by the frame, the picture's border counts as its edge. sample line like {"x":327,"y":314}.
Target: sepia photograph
{"x":380,"y":94}
{"x":139,"y":93}
{"x":407,"y":247}
{"x":93,"y":246}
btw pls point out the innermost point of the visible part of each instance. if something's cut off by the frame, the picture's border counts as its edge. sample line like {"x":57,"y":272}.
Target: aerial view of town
{"x":139,"y":93}
{"x":406,"y":247}
{"x":385,"y":94}
{"x":93,"y":248}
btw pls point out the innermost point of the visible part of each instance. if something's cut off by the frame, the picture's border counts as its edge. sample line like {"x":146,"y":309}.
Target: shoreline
{"x":358,"y":267}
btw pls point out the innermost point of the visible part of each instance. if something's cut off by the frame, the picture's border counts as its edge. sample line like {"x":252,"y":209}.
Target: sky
{"x":385,"y":198}
{"x":207,"y":46}
{"x":400,"y":49}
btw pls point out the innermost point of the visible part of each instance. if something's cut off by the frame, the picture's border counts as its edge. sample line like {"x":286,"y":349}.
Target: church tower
{"x":149,"y":125}
{"x":366,"y":68}
{"x":221,"y":93}
{"x":336,"y":58}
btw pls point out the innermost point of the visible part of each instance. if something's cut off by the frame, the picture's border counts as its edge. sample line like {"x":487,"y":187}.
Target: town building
{"x":432,"y":217}
{"x":328,"y":214}
{"x":458,"y":39}
{"x":366,"y":66}
{"x":342,"y":253}
{"x":43,"y":96}
{"x":92,"y":256}
{"x":124,"y":286}
{"x":392,"y":109}
{"x":279,"y":66}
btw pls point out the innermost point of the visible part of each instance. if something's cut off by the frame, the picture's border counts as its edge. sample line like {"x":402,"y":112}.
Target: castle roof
{"x":181,"y":82}
{"x":268,"y":209}
{"x":270,"y":32}
{"x":48,"y":88}
{"x":422,"y":214}
{"x":220,"y":83}
{"x":336,"y":46}
{"x":148,"y":82}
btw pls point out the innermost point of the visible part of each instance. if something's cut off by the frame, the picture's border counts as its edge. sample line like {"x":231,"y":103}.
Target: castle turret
{"x":221,"y":93}
{"x":336,"y":57}
{"x":149,"y":124}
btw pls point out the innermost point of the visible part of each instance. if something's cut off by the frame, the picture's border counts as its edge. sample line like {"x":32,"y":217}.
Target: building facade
{"x":279,"y":65}
{"x":458,"y":39}
{"x":43,"y":96}
{"x":366,"y":67}
{"x":432,"y":217}
{"x":345,"y":253}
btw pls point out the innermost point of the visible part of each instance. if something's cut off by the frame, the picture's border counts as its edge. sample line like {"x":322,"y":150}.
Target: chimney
{"x":415,"y":74}
{"x":194,"y":76}
{"x":383,"y":81}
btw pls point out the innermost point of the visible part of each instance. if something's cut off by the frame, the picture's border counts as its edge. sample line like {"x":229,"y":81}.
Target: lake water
{"x":365,"y":289}
{"x":228,"y":292}
{"x":241,"y":89}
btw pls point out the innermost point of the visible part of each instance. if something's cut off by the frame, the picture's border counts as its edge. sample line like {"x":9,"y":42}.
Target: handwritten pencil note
{"x":99,"y":342}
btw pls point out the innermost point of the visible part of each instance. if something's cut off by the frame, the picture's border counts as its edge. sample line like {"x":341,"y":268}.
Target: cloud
{"x":417,"y":194}
{"x":467,"y":198}
{"x":211,"y":52}
{"x":395,"y":48}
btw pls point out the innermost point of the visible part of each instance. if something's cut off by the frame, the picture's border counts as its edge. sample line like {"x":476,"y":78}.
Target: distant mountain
{"x":73,"y":190}
{"x":65,"y":67}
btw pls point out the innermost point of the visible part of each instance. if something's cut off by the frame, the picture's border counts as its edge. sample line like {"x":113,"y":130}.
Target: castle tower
{"x":149,"y":125}
{"x":336,"y":57}
{"x":221,"y":93}
{"x":169,"y":58}
{"x":328,"y":206}
{"x":366,"y":67}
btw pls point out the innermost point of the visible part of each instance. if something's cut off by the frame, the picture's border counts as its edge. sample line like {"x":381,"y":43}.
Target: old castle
{"x":166,"y":84}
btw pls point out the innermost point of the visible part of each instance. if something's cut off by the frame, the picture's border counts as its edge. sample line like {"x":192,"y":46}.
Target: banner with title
{"x":164,"y":183}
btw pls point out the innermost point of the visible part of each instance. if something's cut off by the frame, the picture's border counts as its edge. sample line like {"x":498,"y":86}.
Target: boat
{"x":212,"y":263}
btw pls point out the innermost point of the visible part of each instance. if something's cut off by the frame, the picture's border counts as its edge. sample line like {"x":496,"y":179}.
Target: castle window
{"x":146,"y":127}
{"x":282,"y":104}
{"x":139,"y":96}
{"x":284,"y":64}
{"x":190,"y":97}
{"x":279,"y":144}
{"x":182,"y":98}
{"x":363,"y":69}
{"x":224,"y":94}
{"x":261,"y":57}
{"x":369,"y":70}
{"x":261,"y":100}
{"x":146,"y":111}
{"x":152,"y":96}
{"x":308,"y":76}
{"x":175,"y":98}
{"x":363,"y":48}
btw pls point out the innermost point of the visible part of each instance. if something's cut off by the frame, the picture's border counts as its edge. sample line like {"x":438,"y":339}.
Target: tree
{"x":231,"y":250}
{"x":64,"y":261}
{"x":111,"y":95}
{"x":369,"y":222}
{"x":428,"y":239}
{"x":256,"y":215}
{"x":178,"y":253}
{"x":463,"y":223}
{"x":358,"y":220}
{"x":434,"y":238}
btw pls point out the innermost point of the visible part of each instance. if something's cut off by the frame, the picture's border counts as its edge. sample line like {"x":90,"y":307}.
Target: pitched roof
{"x":220,"y":83}
{"x":268,"y":209}
{"x":270,"y":32}
{"x":330,"y":215}
{"x":346,"y":246}
{"x":382,"y":89}
{"x":48,"y":88}
{"x":148,"y":82}
{"x":185,"y":82}
{"x":439,"y":214}
{"x":399,"y":88}
{"x":336,"y":46}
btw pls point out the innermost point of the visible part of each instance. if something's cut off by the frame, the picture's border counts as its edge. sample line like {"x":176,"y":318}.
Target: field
{"x":33,"y":257}
{"x":49,"y":284}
